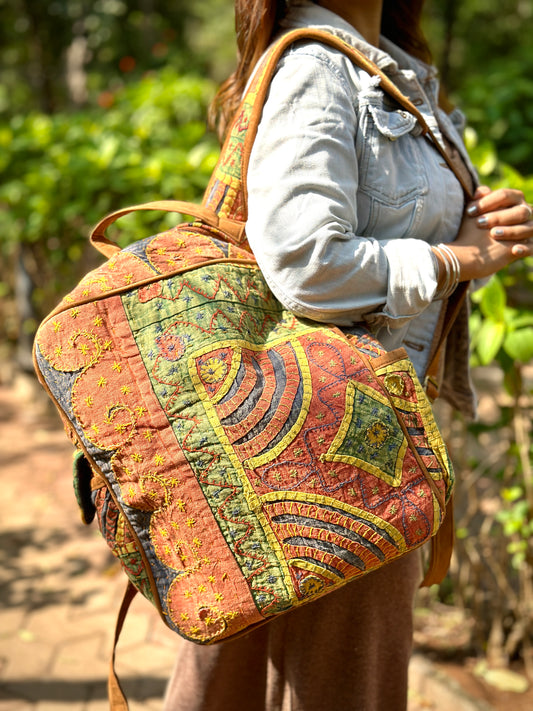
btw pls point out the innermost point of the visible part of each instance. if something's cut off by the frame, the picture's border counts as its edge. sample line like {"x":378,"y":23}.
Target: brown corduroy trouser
{"x":348,"y":651}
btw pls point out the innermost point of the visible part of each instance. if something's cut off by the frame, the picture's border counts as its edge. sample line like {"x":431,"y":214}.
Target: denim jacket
{"x":345,"y":196}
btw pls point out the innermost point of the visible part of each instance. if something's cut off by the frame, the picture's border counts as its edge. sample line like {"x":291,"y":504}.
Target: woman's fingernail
{"x":472,"y":210}
{"x":483,"y":221}
{"x":519,"y":250}
{"x":498,"y":232}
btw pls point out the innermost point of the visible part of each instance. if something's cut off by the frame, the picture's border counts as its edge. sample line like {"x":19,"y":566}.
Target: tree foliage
{"x":57,"y":54}
{"x":102,"y":104}
{"x":65,"y":171}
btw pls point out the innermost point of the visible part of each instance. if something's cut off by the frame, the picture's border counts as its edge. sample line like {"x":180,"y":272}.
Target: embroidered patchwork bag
{"x":240,"y":461}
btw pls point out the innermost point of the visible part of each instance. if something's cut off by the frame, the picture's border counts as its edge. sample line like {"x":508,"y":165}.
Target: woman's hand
{"x":497,"y":229}
{"x":505,"y":213}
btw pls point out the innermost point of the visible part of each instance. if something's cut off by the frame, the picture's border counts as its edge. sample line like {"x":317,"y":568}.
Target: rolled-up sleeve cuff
{"x":412,"y":283}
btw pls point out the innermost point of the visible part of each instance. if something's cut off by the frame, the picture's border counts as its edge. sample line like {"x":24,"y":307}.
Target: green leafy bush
{"x":63,"y":172}
{"x":502,"y":318}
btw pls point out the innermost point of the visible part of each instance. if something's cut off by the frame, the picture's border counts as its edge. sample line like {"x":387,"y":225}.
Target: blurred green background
{"x":103,"y":104}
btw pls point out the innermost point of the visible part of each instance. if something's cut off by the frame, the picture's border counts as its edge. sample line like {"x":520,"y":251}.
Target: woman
{"x":358,"y":220}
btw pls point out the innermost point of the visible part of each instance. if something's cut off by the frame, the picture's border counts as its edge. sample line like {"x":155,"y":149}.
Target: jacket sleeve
{"x":303,"y":222}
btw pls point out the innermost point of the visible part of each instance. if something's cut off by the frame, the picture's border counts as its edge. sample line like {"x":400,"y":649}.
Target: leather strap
{"x":453,"y":307}
{"x":360,"y":60}
{"x":443,"y":541}
{"x":441,"y":550}
{"x":235,"y":227}
{"x":117,"y":700}
{"x":108,"y":248}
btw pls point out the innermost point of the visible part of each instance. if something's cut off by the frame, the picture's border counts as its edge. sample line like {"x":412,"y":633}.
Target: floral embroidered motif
{"x":394,"y":384}
{"x":376,"y":434}
{"x":170,"y":346}
{"x":213,"y":370}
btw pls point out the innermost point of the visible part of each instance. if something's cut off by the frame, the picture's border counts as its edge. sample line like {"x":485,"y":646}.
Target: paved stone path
{"x":60,"y":589}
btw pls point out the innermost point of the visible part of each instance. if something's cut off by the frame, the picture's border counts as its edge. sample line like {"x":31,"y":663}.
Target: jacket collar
{"x":388,"y":56}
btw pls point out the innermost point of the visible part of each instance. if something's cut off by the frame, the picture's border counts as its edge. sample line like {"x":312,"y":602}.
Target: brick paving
{"x":60,"y":588}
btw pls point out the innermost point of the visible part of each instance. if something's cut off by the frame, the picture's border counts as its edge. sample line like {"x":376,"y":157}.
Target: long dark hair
{"x":401,"y":23}
{"x":257,"y":21}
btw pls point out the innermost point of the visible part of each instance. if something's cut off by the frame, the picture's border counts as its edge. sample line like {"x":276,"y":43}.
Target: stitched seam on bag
{"x":61,"y":308}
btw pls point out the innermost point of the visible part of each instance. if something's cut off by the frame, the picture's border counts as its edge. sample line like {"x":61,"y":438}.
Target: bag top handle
{"x":108,"y":248}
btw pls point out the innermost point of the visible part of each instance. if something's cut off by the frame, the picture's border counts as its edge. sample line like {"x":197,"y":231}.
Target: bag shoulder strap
{"x":225,"y":203}
{"x":388,"y":86}
{"x":441,"y":550}
{"x":227,"y":190}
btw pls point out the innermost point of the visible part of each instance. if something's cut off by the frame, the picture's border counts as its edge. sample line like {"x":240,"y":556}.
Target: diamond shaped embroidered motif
{"x":368,"y":432}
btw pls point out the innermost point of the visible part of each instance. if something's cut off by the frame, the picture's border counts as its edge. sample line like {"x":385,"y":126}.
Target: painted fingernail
{"x":498,"y":232}
{"x":472,"y":210}
{"x":483,"y":221}
{"x":519,"y":250}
